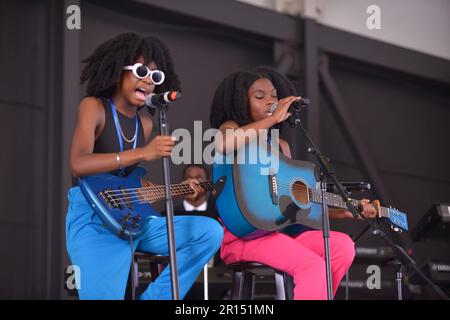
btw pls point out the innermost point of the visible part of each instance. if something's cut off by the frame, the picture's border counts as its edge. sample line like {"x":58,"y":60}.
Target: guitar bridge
{"x":109,"y":200}
{"x":273,"y":186}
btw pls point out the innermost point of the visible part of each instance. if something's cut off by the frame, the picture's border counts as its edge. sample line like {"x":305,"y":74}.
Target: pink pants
{"x":301,"y":256}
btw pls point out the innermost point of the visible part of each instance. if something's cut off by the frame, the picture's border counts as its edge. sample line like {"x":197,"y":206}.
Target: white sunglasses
{"x":141,"y":71}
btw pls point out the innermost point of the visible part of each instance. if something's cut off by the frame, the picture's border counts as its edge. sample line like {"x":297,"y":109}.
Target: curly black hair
{"x":105,"y":64}
{"x":230,"y":100}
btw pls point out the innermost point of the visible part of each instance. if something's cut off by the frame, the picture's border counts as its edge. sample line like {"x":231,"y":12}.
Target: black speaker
{"x":434,"y":225}
{"x":438,"y":272}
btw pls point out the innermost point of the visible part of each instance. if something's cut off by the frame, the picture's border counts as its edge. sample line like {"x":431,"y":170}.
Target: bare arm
{"x":82,"y":159}
{"x":230,"y":142}
{"x":285,"y":148}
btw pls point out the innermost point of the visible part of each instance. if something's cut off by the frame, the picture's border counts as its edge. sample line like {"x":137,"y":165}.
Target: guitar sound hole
{"x":300,"y":192}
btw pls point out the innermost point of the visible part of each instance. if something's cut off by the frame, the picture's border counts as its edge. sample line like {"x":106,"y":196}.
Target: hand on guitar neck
{"x":368,"y":211}
{"x":198,"y":190}
{"x":197,"y":193}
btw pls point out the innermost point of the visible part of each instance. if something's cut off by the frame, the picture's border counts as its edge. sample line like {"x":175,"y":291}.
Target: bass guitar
{"x":123,"y":204}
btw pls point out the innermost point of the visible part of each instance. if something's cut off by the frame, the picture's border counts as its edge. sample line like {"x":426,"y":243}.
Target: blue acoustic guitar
{"x":252,"y":204}
{"x":123,"y":204}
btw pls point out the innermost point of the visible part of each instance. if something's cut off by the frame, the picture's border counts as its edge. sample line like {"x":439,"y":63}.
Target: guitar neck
{"x":335,"y":201}
{"x":155,"y":193}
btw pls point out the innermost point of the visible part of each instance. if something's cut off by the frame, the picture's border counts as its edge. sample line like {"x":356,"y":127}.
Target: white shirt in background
{"x":190,"y":207}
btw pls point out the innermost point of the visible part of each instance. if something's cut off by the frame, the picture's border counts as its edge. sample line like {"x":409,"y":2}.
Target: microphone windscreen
{"x":273,"y":107}
{"x":304,"y":101}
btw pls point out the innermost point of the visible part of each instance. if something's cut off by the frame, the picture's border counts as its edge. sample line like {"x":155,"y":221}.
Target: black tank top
{"x":108,"y":141}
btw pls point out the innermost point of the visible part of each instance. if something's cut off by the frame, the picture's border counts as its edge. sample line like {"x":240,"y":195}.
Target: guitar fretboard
{"x":155,"y":193}
{"x":334,"y":200}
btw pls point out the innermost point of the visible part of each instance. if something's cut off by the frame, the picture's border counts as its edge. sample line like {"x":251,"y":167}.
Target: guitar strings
{"x":288,"y":183}
{"x":138,"y":193}
{"x":330,"y":196}
{"x":147,"y":192}
{"x":143,"y":188}
{"x":135,"y":199}
{"x":142,"y":194}
{"x":161,"y":189}
{"x":175,"y":186}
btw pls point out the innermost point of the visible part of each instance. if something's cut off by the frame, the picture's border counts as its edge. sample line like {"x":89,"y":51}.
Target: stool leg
{"x":236,"y":290}
{"x":248,"y":286}
{"x":289,"y":286}
{"x":135,"y":276}
{"x":346,"y":285}
{"x":205,"y":281}
{"x":252,"y":297}
{"x":279,"y":282}
{"x":154,"y":270}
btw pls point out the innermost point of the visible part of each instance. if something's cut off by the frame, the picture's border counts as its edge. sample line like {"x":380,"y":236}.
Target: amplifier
{"x":438,"y":272}
{"x":373,"y":254}
{"x":434,"y":225}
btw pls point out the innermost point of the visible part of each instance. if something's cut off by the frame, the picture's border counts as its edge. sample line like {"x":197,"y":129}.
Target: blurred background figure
{"x":203,"y":206}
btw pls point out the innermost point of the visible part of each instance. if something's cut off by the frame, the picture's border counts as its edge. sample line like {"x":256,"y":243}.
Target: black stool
{"x":157,"y":264}
{"x":243,"y":283}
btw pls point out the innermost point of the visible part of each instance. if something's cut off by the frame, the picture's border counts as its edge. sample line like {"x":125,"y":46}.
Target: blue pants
{"x":104,"y":260}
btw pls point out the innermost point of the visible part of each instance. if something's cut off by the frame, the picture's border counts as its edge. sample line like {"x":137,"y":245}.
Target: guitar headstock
{"x":398,"y":219}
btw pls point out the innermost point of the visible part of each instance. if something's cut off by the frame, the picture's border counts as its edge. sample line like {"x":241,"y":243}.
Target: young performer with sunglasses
{"x":111,"y":136}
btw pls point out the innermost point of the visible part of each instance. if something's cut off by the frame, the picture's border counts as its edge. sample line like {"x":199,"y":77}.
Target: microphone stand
{"x":164,"y":130}
{"x":328,"y":171}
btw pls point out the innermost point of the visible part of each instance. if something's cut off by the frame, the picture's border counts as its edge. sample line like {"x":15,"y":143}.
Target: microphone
{"x":155,"y":100}
{"x":296,"y":105}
